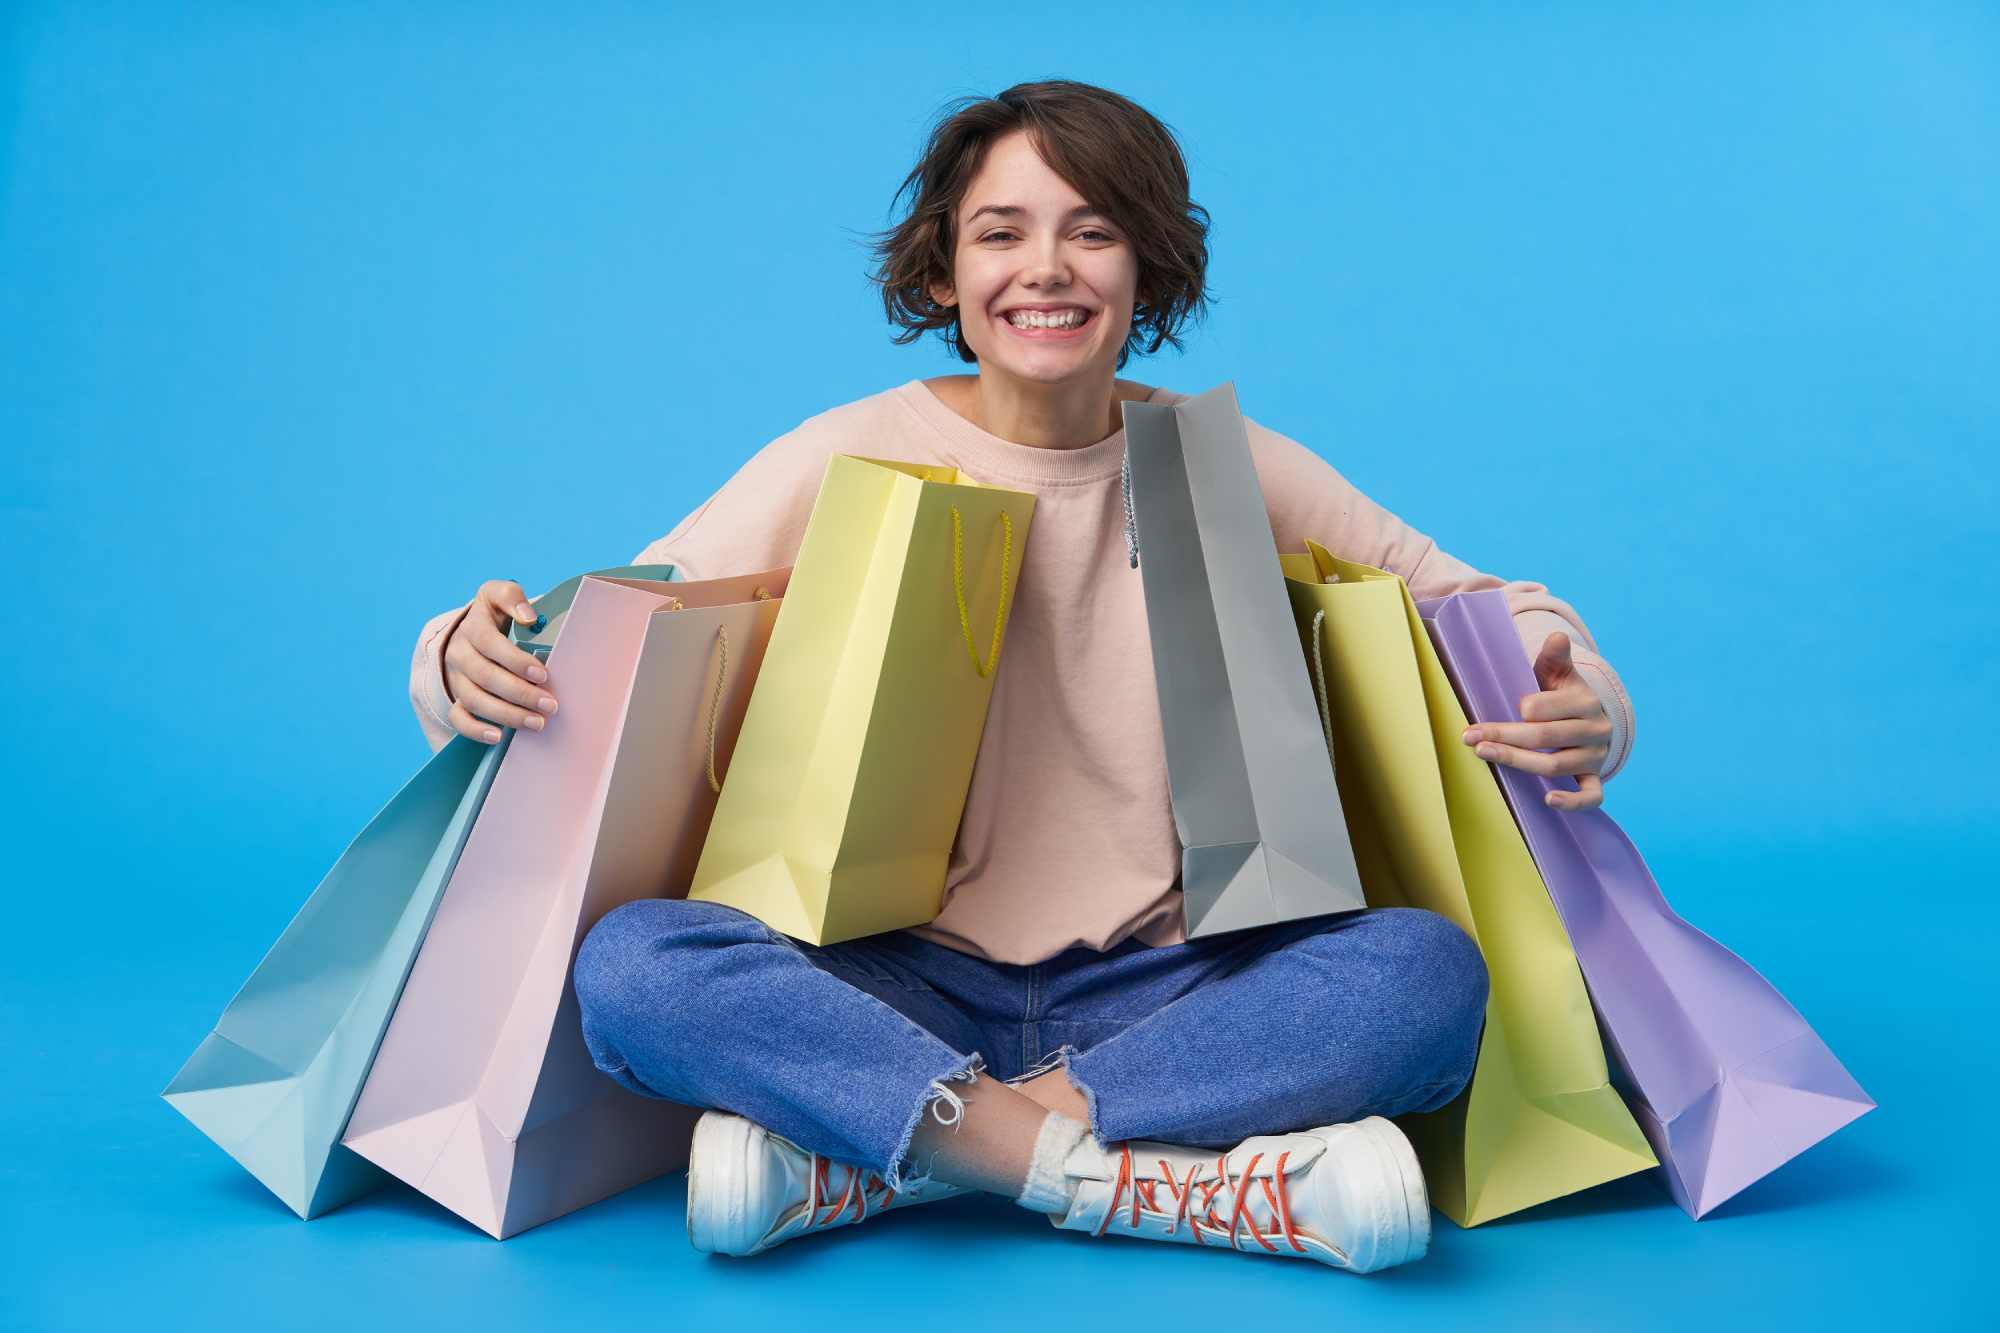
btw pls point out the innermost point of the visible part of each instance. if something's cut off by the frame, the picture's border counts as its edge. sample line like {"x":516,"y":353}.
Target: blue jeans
{"x":840,"y":1048}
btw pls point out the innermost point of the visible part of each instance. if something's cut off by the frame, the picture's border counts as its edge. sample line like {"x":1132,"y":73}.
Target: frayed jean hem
{"x":934,"y":1096}
{"x":1060,"y":1059}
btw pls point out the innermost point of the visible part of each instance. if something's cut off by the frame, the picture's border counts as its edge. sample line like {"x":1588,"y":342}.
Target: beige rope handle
{"x":715,"y":707}
{"x":721,"y":675}
{"x":1319,"y":684}
{"x":958,"y":589}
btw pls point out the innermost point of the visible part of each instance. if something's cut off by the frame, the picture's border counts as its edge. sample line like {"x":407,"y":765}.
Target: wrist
{"x":443,"y":676}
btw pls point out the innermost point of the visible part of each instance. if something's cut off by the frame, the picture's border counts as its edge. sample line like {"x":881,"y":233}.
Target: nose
{"x":1046,"y":266}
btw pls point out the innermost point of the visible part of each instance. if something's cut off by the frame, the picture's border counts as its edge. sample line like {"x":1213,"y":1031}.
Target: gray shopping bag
{"x":1254,"y":799}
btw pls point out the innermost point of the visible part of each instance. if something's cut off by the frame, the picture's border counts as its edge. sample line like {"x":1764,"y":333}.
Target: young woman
{"x":1050,"y":1037}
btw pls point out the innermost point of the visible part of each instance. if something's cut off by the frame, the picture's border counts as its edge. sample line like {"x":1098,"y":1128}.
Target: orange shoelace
{"x":861,"y":1182}
{"x":1194,"y":1202}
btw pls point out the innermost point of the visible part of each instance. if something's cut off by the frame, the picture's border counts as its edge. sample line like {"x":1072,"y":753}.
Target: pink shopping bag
{"x":483,"y":1095}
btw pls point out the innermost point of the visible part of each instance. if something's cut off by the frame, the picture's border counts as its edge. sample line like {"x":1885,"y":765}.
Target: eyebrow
{"x":1015,"y":210}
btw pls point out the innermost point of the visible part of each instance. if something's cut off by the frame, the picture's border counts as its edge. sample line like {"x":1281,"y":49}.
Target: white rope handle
{"x":1131,"y":514}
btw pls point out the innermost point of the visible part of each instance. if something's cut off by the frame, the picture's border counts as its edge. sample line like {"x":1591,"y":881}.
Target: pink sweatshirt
{"x":1068,"y":837}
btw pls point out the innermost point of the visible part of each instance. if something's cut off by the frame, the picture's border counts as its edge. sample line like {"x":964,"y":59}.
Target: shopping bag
{"x":849,"y":780}
{"x":483,"y":1095}
{"x":1725,"y":1077}
{"x":1539,"y":1118}
{"x":273,"y":1082}
{"x":554,"y":604}
{"x":1254,"y":800}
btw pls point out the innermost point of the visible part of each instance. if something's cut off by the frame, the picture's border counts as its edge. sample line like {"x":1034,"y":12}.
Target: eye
{"x":1003,"y":233}
{"x":1102,"y":234}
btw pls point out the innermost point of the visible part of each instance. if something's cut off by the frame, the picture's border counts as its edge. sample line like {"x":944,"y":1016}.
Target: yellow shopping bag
{"x":843,"y":798}
{"x":1431,"y":829}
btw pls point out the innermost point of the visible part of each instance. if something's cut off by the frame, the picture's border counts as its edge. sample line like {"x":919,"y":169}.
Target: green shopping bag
{"x":275,"y":1080}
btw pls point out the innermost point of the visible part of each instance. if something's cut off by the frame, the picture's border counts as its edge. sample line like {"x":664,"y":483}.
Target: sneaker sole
{"x":1406,"y":1203}
{"x":718,"y":1201}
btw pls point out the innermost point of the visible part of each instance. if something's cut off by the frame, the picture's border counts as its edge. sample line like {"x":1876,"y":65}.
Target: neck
{"x":1066,"y":415}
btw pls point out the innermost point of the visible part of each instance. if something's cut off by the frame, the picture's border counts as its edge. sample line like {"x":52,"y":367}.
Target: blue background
{"x":312,"y":317}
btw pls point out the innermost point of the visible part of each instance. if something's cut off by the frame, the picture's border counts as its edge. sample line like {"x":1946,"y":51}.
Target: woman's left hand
{"x":1565,"y":717}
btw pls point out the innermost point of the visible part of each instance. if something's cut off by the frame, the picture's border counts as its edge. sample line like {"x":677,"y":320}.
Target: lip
{"x":1048,"y":335}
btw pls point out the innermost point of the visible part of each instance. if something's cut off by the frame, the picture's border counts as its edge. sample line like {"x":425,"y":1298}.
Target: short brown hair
{"x":1116,"y":154}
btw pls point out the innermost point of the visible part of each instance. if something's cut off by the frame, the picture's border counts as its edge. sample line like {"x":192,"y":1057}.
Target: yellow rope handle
{"x":715,"y":707}
{"x":1319,"y":684}
{"x":958,"y":589}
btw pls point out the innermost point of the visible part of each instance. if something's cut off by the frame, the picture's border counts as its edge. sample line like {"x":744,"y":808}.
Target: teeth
{"x":1035,"y":319}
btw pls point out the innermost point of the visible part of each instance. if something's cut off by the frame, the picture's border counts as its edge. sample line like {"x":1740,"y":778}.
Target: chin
{"x":1050,"y":370}
{"x":1051,"y":375}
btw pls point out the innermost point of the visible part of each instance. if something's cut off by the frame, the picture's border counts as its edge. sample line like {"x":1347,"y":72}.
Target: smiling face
{"x":1044,"y":285}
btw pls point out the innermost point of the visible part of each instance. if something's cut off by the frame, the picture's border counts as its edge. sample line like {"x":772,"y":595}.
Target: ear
{"x":944,"y":294}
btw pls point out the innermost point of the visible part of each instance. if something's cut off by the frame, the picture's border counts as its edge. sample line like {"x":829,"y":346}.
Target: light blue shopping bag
{"x":275,"y":1081}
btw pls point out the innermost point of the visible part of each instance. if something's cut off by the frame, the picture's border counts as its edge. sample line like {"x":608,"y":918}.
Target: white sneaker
{"x":750,"y":1189}
{"x":1347,"y":1195}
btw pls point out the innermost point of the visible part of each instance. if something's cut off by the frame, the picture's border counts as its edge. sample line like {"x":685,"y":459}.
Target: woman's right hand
{"x":491,"y":680}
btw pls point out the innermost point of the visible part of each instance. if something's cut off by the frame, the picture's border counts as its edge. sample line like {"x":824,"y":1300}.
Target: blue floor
{"x":314,"y":315}
{"x":119,"y":1214}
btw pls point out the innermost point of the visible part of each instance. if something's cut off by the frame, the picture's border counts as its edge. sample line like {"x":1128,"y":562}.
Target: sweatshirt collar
{"x":985,"y":454}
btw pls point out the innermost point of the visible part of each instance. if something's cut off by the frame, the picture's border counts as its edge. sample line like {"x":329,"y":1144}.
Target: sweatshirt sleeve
{"x":755,"y":522}
{"x":427,"y":692}
{"x":1308,"y":497}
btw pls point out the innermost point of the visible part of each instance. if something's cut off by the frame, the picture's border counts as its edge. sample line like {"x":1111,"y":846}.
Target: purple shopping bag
{"x":1721,"y":1072}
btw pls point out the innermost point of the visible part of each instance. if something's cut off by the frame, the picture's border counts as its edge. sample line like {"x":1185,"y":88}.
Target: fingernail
{"x":1471,"y":735}
{"x":538,"y":674}
{"x":534,"y":721}
{"x":1488,"y":751}
{"x":547,"y":705}
{"x":522,"y":611}
{"x":490,"y":736}
{"x":540,"y":622}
